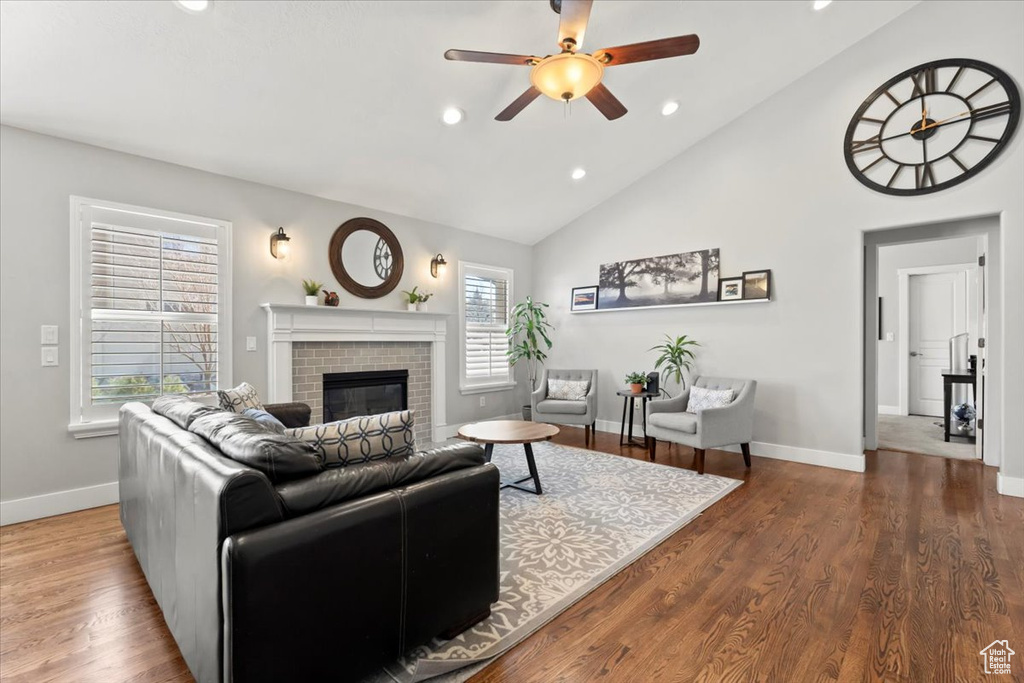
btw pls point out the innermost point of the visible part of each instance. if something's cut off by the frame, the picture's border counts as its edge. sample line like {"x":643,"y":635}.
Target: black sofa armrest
{"x":372,"y":578}
{"x":294,"y":414}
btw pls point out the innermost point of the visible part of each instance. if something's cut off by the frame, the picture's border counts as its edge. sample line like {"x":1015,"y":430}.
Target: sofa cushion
{"x":181,"y":410}
{"x":568,"y":389}
{"x":555,"y":407}
{"x":679,"y":422}
{"x":339,"y":484}
{"x":281,"y":457}
{"x":265,"y":420}
{"x":241,"y":397}
{"x":361,"y":439}
{"x":703,"y":399}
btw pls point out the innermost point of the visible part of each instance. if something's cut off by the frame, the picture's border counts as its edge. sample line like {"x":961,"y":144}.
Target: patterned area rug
{"x":599,"y":513}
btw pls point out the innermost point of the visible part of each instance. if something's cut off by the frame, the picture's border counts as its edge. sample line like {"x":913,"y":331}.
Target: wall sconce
{"x":279,"y":247}
{"x":438,"y":266}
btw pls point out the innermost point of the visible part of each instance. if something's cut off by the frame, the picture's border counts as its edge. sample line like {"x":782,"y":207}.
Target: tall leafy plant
{"x":676,"y":356}
{"x":528,"y":338}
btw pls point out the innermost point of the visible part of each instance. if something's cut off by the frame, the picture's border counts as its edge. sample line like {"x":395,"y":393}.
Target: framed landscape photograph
{"x":757,"y":284}
{"x":687,"y":278}
{"x":730,"y":288}
{"x":584,"y":298}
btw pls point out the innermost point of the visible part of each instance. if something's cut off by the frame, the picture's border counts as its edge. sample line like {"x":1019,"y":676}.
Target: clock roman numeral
{"x":895,"y":174}
{"x":873,"y":142}
{"x":956,"y":77}
{"x":924,"y":82}
{"x":924,"y":176}
{"x":983,"y":139}
{"x":864,"y":170}
{"x":991,"y":111}
{"x":958,"y":162}
{"x":976,"y":92}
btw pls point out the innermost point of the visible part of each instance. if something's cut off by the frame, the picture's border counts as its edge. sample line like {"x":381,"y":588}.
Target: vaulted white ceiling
{"x":343,"y":99}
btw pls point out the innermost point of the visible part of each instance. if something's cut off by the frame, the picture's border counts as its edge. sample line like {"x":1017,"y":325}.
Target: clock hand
{"x":939,"y":123}
{"x":946,"y":122}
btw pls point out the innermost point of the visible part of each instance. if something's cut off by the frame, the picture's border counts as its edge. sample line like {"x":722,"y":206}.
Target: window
{"x":484,"y":309}
{"x":150,"y":305}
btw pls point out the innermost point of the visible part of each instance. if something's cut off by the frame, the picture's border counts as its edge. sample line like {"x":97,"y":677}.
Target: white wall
{"x":891,"y":259}
{"x":772,"y":190}
{"x":39,"y":173}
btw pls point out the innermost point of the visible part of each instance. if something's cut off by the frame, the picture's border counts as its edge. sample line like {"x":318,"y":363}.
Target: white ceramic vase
{"x":410,"y":306}
{"x":421,"y":306}
{"x":313,"y":300}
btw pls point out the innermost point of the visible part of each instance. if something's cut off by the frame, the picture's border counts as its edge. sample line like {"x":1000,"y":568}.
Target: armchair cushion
{"x":702,"y":399}
{"x":552,"y":406}
{"x":568,"y":389}
{"x":679,"y":422}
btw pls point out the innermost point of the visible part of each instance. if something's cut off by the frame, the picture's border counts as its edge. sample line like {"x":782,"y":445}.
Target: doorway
{"x":927,"y":287}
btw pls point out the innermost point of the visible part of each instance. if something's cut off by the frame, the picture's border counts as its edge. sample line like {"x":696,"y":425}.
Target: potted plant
{"x":528,"y":340}
{"x":312,"y":288}
{"x":636,"y":381}
{"x":676,"y":356}
{"x":411,"y":298}
{"x":421,"y":305}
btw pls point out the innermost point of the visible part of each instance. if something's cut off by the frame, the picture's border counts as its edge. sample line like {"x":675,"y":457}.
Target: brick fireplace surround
{"x":312,"y":360}
{"x":304,"y":342}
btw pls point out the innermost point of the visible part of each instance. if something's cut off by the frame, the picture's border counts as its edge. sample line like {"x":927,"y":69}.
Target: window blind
{"x":486,"y":304}
{"x":153,"y":313}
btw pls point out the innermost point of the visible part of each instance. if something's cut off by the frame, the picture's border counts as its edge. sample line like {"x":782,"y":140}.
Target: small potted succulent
{"x":312,"y":288}
{"x":412,"y":298}
{"x":421,"y":305}
{"x":636,"y":381}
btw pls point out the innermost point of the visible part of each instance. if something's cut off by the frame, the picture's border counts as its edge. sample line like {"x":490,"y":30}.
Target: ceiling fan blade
{"x":606,"y":102}
{"x":573,"y":23}
{"x":509,"y":112}
{"x":652,"y":49}
{"x":490,"y":57}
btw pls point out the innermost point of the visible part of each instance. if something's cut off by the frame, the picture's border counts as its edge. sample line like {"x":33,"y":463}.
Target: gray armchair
{"x":712,"y":428}
{"x":552,"y":411}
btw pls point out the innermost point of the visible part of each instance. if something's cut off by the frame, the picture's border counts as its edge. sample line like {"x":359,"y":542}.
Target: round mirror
{"x":366,"y":258}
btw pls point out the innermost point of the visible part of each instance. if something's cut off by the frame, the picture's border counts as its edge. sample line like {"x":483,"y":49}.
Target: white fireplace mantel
{"x":288,"y":323}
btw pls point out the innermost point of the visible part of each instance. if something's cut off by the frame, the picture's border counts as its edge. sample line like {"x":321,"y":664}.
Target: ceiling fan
{"x":572,"y":74}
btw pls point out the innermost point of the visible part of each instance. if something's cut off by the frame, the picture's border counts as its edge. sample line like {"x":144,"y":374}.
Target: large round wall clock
{"x":932,"y":127}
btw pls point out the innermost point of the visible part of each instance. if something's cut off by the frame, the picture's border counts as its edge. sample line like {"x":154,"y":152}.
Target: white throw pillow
{"x":568,"y":389}
{"x":702,"y":399}
{"x":241,"y":397}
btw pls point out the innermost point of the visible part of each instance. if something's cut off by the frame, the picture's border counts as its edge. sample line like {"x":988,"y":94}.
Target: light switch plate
{"x":250,"y":343}
{"x":483,"y":401}
{"x":49,"y":356}
{"x":48,"y":334}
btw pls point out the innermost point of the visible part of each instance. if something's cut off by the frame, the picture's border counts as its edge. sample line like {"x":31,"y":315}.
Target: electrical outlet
{"x":49,"y":356}
{"x":48,"y":334}
{"x":483,"y":401}
{"x":250,"y":343}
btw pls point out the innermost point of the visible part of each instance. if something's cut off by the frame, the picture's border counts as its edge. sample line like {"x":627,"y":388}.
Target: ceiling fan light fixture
{"x":193,"y":6}
{"x":578,"y":173}
{"x":669,"y":108}
{"x":821,"y":4}
{"x":452,"y":115}
{"x":566,"y":76}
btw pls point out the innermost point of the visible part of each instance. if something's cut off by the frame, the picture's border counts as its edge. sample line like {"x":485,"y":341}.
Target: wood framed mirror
{"x":366,"y":258}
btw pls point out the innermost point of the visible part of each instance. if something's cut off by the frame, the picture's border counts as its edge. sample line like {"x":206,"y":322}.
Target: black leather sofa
{"x":315,"y":578}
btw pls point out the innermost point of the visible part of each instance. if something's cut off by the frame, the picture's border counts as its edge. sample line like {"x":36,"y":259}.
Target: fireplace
{"x":352,"y":394}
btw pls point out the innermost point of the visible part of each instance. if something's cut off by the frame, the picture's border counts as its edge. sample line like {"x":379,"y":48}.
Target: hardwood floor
{"x":802,"y":574}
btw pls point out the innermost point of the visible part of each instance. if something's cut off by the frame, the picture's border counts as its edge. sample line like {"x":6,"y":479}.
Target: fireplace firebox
{"x":352,"y":394}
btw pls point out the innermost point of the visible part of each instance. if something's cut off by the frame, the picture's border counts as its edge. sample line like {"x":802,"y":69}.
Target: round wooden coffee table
{"x":507,"y":432}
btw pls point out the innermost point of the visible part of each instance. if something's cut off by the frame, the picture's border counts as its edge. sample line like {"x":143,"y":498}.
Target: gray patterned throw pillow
{"x":241,"y":397}
{"x":361,"y":439}
{"x":568,"y":389}
{"x":702,"y":399}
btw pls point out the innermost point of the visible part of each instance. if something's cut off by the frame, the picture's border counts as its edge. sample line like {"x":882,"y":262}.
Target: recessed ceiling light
{"x":194,"y":6}
{"x":822,"y":4}
{"x":669,"y":108}
{"x":452,"y":115}
{"x":578,"y":173}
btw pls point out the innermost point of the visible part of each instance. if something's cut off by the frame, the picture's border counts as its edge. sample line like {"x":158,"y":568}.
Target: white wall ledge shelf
{"x":702,"y":303}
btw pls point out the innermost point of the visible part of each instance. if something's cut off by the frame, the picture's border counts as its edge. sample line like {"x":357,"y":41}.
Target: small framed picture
{"x":730,"y":288}
{"x":757,"y":284}
{"x":584,"y":298}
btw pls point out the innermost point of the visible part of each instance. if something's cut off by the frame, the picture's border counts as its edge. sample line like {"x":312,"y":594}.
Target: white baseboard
{"x":1010,"y":486}
{"x":889,"y":410}
{"x":57,"y":503}
{"x":445,"y":432}
{"x":808,"y":456}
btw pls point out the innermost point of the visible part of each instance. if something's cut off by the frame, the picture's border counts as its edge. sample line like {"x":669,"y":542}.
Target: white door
{"x":937,"y":311}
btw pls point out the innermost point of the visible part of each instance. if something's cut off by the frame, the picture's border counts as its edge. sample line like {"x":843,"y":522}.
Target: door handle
{"x":914,"y":353}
